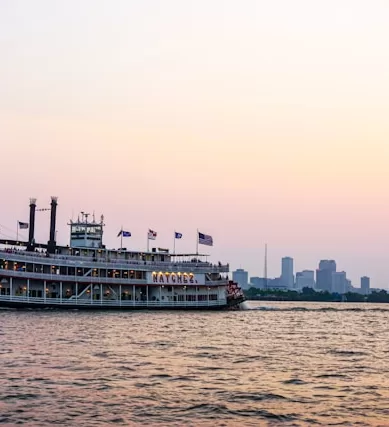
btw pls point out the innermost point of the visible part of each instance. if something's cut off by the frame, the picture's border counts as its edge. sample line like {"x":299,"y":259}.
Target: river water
{"x":292,"y":364}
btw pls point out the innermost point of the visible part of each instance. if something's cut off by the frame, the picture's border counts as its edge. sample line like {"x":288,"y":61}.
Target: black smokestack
{"x":31,"y":240}
{"x":51,"y":244}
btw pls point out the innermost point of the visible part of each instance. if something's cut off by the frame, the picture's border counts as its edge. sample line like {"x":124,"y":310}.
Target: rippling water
{"x":278,"y":363}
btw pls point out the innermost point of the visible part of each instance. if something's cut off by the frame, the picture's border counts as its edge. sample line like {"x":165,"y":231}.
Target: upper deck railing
{"x":99,"y":262}
{"x":95,"y":279}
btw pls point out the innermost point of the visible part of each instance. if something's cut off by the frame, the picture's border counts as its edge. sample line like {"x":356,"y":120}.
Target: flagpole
{"x":17,"y":231}
{"x":174,"y":243}
{"x":197,"y":242}
{"x":121,"y":239}
{"x":148,"y":241}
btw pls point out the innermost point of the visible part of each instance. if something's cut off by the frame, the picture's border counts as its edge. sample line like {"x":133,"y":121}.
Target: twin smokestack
{"x":31,"y":240}
{"x":51,"y":244}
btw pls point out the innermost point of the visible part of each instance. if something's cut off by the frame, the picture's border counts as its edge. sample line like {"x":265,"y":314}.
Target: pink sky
{"x":252,"y":121}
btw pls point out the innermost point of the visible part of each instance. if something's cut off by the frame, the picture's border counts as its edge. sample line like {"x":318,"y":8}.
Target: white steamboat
{"x":87,"y":275}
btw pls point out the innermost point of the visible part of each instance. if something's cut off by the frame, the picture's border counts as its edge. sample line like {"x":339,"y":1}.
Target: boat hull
{"x":15,"y":304}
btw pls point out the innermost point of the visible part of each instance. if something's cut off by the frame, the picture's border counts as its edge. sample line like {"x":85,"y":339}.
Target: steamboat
{"x":87,"y":275}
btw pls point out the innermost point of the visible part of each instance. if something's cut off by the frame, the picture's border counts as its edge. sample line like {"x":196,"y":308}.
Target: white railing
{"x":79,"y":261}
{"x":93,"y":279}
{"x":110,"y":303}
{"x":69,"y":278}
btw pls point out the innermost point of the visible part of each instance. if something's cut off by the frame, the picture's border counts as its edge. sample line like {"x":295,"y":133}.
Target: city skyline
{"x":325,"y":278}
{"x":255,"y":123}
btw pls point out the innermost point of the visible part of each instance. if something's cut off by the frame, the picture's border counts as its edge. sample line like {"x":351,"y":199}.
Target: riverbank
{"x":310,"y":295}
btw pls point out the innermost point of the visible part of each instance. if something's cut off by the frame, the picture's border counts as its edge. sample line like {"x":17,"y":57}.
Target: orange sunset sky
{"x":253,"y":121}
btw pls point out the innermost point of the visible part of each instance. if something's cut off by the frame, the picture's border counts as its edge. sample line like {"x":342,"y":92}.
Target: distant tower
{"x":365,"y":285}
{"x":324,"y":275}
{"x":287,"y":276}
{"x":265,"y":267}
{"x":241,"y":277}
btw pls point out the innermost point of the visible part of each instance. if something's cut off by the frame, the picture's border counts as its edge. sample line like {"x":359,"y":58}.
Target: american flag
{"x":152,"y":235}
{"x":23,"y":225}
{"x":205,"y":239}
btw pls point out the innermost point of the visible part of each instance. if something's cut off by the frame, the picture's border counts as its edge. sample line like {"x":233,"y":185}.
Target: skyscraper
{"x":324,"y":275}
{"x":258,"y":282}
{"x":305,"y":279}
{"x":365,"y":285}
{"x":287,"y":277}
{"x":339,"y":282}
{"x":241,"y":277}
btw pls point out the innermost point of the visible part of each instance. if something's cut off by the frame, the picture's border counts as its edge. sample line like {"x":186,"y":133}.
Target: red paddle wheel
{"x":235,"y":295}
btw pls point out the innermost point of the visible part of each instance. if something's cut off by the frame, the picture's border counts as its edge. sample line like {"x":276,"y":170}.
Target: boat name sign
{"x":173,"y":278}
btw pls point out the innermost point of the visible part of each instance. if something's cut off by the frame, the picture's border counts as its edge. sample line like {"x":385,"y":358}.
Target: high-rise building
{"x":258,"y":282}
{"x":327,"y":264}
{"x":276,"y":283}
{"x":241,"y":277}
{"x":365,"y":285}
{"x":339,"y":282}
{"x":324,"y":275}
{"x":305,"y":279}
{"x":287,"y":277}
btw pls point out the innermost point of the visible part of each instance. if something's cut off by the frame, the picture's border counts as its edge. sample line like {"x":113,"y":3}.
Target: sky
{"x":252,"y":121}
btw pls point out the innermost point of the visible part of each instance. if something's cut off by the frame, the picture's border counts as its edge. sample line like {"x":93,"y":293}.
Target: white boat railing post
{"x":76,"y":292}
{"x":10,"y":288}
{"x":60,"y":292}
{"x":28,"y":290}
{"x":120,"y":295}
{"x":101,"y":293}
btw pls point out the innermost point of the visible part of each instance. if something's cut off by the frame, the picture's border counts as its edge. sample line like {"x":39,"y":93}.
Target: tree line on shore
{"x":309,"y":294}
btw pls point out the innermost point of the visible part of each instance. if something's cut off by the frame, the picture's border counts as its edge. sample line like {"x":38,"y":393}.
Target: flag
{"x":23,"y":225}
{"x":124,"y":233}
{"x":177,"y":235}
{"x":152,"y":235}
{"x":204,"y":239}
